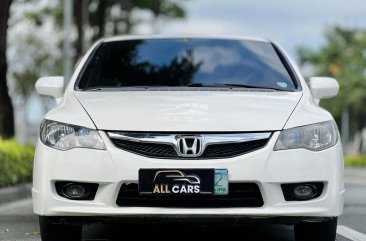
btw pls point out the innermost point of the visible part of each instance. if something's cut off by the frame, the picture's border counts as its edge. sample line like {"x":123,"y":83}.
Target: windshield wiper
{"x":92,"y":89}
{"x":190,"y":85}
{"x":118,"y":87}
{"x":149,"y":86}
{"x":254,"y":87}
{"x":144,"y":86}
{"x":232,"y":86}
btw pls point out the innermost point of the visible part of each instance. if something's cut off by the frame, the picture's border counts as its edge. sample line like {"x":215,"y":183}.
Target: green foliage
{"x":159,"y":7}
{"x":33,"y":55}
{"x":343,"y":57}
{"x":120,"y":16}
{"x":355,"y":161}
{"x":40,"y":16}
{"x":105,"y":18}
{"x":42,"y":63}
{"x":16,"y":162}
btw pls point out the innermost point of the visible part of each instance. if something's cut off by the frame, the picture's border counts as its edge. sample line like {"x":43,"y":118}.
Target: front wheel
{"x":319,"y":231}
{"x":59,"y":232}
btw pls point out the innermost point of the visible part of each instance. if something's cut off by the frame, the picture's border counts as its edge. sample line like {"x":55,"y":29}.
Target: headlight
{"x":314,"y":137}
{"x":65,"y":137}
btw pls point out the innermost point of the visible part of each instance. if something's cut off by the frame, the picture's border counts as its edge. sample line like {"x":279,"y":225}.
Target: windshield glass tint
{"x":186,"y":62}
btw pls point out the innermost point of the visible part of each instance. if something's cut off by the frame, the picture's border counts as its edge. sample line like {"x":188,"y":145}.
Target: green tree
{"x":98,"y":17}
{"x":6,"y":107}
{"x":33,"y":55}
{"x":343,"y":57}
{"x":121,"y":18}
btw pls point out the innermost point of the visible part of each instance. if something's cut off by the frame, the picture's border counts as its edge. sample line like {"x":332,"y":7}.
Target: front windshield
{"x":186,"y":62}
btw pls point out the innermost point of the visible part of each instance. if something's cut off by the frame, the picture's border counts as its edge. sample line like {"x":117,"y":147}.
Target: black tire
{"x":59,"y":232}
{"x":317,"y":231}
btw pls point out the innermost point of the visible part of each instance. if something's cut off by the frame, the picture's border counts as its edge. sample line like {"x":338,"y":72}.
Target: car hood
{"x":189,"y":111}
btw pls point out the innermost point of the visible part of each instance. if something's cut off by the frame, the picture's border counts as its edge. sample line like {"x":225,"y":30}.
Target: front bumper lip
{"x":87,"y":208}
{"x":187,"y":219}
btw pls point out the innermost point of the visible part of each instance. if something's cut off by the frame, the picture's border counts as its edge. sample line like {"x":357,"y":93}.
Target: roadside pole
{"x":68,"y":52}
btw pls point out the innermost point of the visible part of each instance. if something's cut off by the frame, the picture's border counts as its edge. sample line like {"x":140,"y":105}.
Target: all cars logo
{"x":176,"y":182}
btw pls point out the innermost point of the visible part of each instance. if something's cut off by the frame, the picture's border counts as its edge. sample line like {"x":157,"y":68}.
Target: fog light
{"x":76,"y":190}
{"x":73,"y":190}
{"x":305,"y":191}
{"x":302,"y":191}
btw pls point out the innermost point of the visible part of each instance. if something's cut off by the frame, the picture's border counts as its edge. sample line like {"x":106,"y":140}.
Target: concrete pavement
{"x":354,"y":215}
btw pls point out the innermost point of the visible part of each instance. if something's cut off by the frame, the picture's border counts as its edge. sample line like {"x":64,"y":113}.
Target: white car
{"x":188,"y":127}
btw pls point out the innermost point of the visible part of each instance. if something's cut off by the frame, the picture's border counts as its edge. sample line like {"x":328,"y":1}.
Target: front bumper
{"x":214,"y":220}
{"x":265,"y":167}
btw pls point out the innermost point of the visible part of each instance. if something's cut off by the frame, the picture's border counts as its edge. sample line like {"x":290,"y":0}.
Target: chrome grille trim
{"x":172,"y":139}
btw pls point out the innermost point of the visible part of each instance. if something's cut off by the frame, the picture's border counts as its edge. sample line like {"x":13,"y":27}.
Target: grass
{"x":16,"y":162}
{"x":355,"y":161}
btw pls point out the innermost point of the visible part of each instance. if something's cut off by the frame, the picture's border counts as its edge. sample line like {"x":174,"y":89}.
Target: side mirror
{"x":51,"y":86}
{"x":323,"y":87}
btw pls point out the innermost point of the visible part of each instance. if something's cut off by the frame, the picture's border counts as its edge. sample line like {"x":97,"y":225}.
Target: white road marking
{"x":350,"y":233}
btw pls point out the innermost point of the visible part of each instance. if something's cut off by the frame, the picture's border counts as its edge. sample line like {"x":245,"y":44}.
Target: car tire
{"x":59,"y":232}
{"x":317,"y":231}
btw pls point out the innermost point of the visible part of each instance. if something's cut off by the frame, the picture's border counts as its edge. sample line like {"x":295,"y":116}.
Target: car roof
{"x":144,"y":37}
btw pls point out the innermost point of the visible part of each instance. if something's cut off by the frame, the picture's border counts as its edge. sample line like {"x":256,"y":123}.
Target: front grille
{"x":160,"y":150}
{"x":146,"y":149}
{"x":240,"y":195}
{"x":232,"y":149}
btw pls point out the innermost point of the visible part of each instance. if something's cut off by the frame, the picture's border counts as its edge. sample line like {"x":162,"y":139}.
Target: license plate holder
{"x":175,"y":182}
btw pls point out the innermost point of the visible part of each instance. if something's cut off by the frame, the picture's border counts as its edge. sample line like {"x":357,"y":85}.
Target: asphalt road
{"x":17,"y":222}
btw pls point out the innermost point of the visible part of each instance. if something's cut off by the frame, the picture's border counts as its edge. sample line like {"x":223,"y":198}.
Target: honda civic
{"x":183,"y":127}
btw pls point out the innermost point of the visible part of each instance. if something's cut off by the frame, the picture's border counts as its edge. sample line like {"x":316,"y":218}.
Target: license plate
{"x":171,"y":182}
{"x":221,"y":182}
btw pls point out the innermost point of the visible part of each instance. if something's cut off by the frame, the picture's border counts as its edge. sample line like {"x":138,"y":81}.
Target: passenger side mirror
{"x":51,"y":86}
{"x":323,"y":87}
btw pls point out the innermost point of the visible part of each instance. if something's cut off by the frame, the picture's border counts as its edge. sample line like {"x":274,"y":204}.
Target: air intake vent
{"x":240,"y":195}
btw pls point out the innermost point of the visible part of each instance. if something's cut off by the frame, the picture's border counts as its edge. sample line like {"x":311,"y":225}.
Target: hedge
{"x":16,"y":162}
{"x":355,"y":161}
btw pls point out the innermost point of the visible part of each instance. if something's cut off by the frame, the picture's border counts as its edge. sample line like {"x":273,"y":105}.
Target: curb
{"x":350,"y":233}
{"x":14,"y":193}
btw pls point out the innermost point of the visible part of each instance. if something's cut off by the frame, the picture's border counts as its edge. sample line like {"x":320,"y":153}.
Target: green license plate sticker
{"x":221,"y":182}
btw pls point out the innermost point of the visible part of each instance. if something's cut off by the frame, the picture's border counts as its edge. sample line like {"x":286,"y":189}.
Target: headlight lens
{"x":65,"y":137}
{"x":314,"y":137}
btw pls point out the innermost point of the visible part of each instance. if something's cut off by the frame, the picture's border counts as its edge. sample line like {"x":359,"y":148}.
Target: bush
{"x":16,"y":162}
{"x":355,"y":161}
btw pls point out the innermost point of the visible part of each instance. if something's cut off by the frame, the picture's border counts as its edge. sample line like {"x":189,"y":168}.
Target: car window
{"x":186,"y":62}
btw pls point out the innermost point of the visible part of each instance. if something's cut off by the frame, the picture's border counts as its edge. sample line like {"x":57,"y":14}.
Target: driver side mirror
{"x":323,"y":87}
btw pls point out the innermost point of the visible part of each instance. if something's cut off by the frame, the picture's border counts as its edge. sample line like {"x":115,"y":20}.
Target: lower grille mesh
{"x":240,"y":195}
